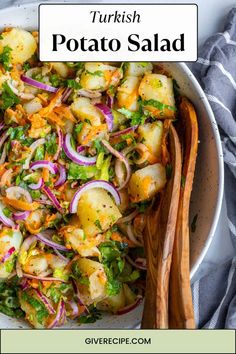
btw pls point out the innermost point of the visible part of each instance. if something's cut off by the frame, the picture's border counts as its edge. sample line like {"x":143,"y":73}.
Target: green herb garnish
{"x":5,"y":58}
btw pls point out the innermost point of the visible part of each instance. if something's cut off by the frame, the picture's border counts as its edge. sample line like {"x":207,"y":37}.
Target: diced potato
{"x":150,"y":134}
{"x":137,"y":69}
{"x":159,"y":88}
{"x":127,"y":95}
{"x":83,"y":109}
{"x":35,"y":265}
{"x":130,"y":297}
{"x":8,"y":240}
{"x":97,"y":211}
{"x":146,"y":182}
{"x":86,"y":247}
{"x":96,"y":290}
{"x":119,"y":119}
{"x":96,"y":76}
{"x":22,"y":43}
{"x":32,"y":309}
{"x":61,"y":69}
{"x":113,"y":303}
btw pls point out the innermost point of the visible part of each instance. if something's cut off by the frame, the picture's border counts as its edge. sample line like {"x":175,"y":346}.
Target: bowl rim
{"x":186,"y":70}
{"x":217,"y":139}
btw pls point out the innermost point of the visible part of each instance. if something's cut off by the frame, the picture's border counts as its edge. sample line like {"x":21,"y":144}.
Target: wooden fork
{"x":158,"y":241}
{"x":180,"y":304}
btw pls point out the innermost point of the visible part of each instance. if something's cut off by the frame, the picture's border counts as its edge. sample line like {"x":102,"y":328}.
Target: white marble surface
{"x":211,"y":15}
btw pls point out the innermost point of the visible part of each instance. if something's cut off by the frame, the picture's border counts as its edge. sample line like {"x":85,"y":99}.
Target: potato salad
{"x":83,"y":159}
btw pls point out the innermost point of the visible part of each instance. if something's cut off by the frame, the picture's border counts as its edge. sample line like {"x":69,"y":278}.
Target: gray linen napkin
{"x":214,"y":295}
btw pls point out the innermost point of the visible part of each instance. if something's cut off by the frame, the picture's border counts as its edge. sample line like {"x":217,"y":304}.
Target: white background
{"x":75,"y":22}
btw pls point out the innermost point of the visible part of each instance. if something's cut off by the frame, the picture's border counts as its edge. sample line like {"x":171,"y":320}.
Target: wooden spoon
{"x":181,"y":307}
{"x":159,"y":240}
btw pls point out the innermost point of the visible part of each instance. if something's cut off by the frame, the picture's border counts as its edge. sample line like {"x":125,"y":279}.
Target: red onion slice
{"x":50,"y":243}
{"x":131,"y":307}
{"x":4,"y":154}
{"x":3,"y":138}
{"x":17,"y":192}
{"x":122,"y":158}
{"x":106,"y":111}
{"x":135,"y":264}
{"x":39,"y":85}
{"x":80,"y":149}
{"x":62,"y":176}
{"x":21,"y":215}
{"x":109,"y":187}
{"x":8,"y":254}
{"x":30,"y":276}
{"x":74,"y":309}
{"x":32,"y":148}
{"x":66,"y":94}
{"x":53,"y":198}
{"x":44,"y":164}
{"x":110,"y":101}
{"x":24,"y":248}
{"x":128,"y":217}
{"x":60,"y":255}
{"x":124,"y":131}
{"x":59,"y":314}
{"x":78,"y":296}
{"x":131,"y":236}
{"x":37,"y":185}
{"x":45,"y":301}
{"x":4,"y":219}
{"x":74,"y":155}
{"x":24,"y":284}
{"x":60,"y":143}
{"x":2,"y":125}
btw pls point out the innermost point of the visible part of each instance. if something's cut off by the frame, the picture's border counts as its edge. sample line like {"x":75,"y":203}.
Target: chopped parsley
{"x":73,"y":84}
{"x":51,"y":144}
{"x":92,"y":317}
{"x":157,"y":104}
{"x":137,"y":118}
{"x":112,"y":258}
{"x":26,"y":66}
{"x":55,"y":80}
{"x":78,"y":127}
{"x":76,"y":172}
{"x":183,"y":180}
{"x":8,"y":98}
{"x":41,"y":310}
{"x":98,"y":146}
{"x":5,"y":58}
{"x":9,"y":303}
{"x":95,"y":73}
{"x":98,"y":224}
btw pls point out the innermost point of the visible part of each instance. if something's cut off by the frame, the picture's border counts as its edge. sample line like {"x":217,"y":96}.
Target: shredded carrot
{"x":93,"y":132}
{"x":55,"y":101}
{"x":32,"y":230}
{"x":43,"y":98}
{"x":19,"y":204}
{"x":6,"y":178}
{"x":115,"y":236}
{"x":45,"y":174}
{"x":34,"y":283}
{"x":65,"y":112}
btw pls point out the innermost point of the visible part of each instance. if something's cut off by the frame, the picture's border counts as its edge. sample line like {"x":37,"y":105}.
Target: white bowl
{"x":208,"y":183}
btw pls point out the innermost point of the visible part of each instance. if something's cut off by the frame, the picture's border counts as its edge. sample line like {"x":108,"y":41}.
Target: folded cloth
{"x":214,"y":296}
